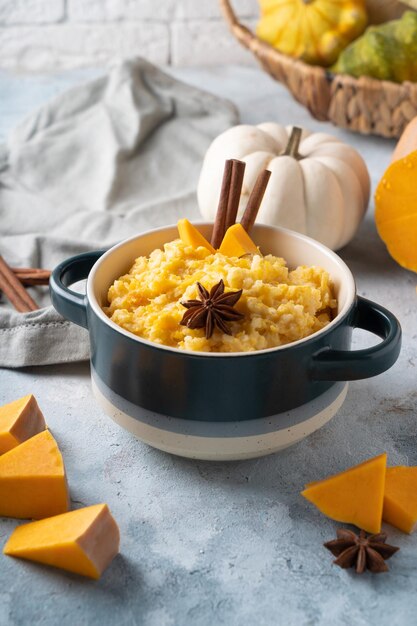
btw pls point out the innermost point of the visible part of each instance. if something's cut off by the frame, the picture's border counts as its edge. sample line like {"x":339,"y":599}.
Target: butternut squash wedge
{"x":32,"y":479}
{"x":354,"y":496}
{"x":191,"y":236}
{"x":236,"y":242}
{"x":400,"y":499}
{"x":83,"y":541}
{"x":19,"y":420}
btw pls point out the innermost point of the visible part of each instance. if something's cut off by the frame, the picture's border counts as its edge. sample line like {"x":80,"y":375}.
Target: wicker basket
{"x":365,"y":105}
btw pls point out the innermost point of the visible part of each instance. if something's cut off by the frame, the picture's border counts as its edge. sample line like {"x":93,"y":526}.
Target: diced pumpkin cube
{"x":19,"y":420}
{"x":237,"y":242}
{"x":354,"y":496}
{"x":400,"y":499}
{"x":32,"y":479}
{"x":191,"y":236}
{"x":84,"y":541}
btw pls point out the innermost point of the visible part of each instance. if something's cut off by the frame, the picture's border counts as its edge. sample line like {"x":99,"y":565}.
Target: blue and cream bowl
{"x":216,"y":405}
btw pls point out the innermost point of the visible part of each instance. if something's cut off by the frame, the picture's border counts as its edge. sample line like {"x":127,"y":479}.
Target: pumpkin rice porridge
{"x":278,"y":305}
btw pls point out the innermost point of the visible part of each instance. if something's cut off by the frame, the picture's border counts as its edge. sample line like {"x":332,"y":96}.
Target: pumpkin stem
{"x":293,"y":144}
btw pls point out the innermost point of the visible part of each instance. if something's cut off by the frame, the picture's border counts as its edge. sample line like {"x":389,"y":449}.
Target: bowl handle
{"x":331,"y":364}
{"x":71,"y":304}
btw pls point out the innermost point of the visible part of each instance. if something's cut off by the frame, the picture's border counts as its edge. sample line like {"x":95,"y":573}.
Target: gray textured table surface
{"x":216,"y":543}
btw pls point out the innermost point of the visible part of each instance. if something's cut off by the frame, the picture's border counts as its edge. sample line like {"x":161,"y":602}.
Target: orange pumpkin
{"x":396,"y":205}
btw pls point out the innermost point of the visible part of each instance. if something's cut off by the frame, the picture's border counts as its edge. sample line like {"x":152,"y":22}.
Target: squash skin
{"x":385,"y":52}
{"x":396,"y":210}
{"x":315,"y":31}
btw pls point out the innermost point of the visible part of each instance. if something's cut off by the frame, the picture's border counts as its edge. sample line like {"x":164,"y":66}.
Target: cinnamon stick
{"x":238,"y":170}
{"x":220,"y":221}
{"x":28,"y":270}
{"x":31,"y":280}
{"x":255,"y":200}
{"x":32,"y":276}
{"x":14,"y":290}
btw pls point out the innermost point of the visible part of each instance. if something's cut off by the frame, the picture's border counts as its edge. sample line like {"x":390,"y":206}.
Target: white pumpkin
{"x":319,"y":188}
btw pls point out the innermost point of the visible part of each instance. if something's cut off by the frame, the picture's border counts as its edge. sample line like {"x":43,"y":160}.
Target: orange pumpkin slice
{"x":236,"y":242}
{"x":396,"y":210}
{"x":355,"y":496}
{"x":400,"y":501}
{"x":83,"y":541}
{"x":191,"y":236}
{"x":19,"y":420}
{"x":32,"y":479}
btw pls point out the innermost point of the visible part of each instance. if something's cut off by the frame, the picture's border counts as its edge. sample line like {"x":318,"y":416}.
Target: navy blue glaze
{"x":225,"y":388}
{"x":71,"y":304}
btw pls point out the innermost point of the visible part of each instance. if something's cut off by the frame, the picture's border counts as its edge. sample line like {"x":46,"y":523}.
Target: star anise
{"x":361,"y":552}
{"x":214,"y":309}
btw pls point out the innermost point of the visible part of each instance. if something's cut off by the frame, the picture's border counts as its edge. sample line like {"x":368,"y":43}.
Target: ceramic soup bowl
{"x":216,"y":405}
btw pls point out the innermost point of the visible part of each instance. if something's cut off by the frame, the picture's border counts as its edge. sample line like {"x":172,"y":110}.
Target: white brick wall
{"x":200,"y":42}
{"x":36,"y":12}
{"x":54,"y":34}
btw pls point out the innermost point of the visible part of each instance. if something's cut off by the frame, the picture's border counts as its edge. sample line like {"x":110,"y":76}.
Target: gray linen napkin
{"x":99,"y":163}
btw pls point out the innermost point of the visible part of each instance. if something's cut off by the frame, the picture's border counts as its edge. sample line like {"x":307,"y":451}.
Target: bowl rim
{"x":93,"y":303}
